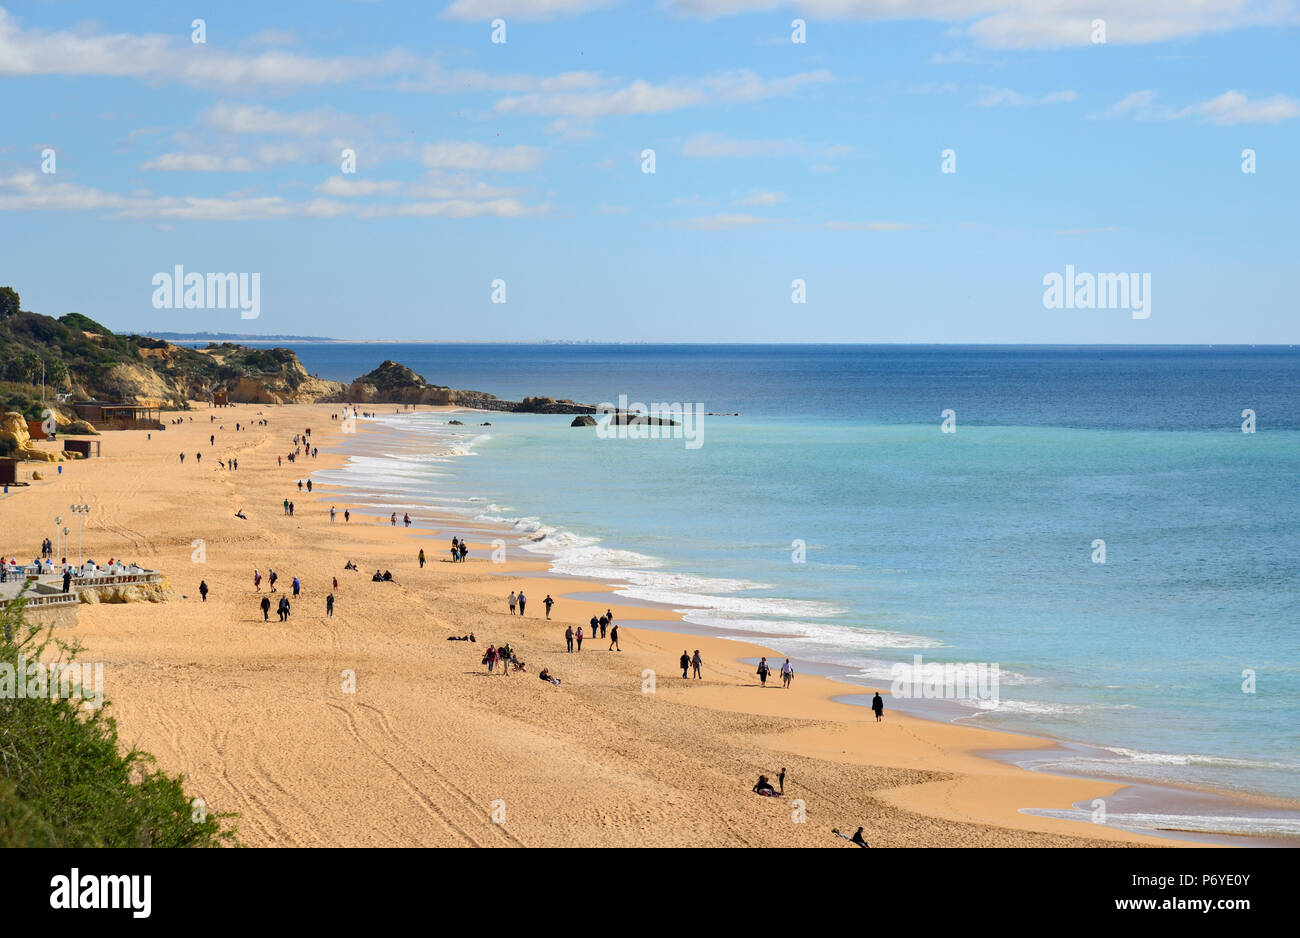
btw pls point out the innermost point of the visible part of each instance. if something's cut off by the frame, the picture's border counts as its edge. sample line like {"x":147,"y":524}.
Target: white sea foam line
{"x":1212,"y":823}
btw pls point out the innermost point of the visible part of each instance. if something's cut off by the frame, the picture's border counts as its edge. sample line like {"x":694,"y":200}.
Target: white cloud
{"x":642,"y":97}
{"x":1006,"y":97}
{"x":198,"y":163}
{"x":483,"y":11}
{"x":167,"y":57}
{"x":757,"y":197}
{"x":716,"y":145}
{"x":1026,"y":24}
{"x":1140,"y":105}
{"x":467,"y":154}
{"x":1233,"y":107}
{"x":255,"y":119}
{"x":33,"y":192}
{"x":723,"y":222}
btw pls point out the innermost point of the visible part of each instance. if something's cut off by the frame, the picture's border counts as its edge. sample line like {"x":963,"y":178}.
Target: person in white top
{"x":787,"y":673}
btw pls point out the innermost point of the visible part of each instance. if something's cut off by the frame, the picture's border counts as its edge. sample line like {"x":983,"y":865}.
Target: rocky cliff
{"x":394,"y":383}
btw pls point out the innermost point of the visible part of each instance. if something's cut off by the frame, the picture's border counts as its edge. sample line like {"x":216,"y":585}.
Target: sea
{"x":1113,"y":532}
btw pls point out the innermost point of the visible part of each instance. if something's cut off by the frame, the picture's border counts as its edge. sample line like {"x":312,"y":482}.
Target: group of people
{"x":787,"y":672}
{"x":506,"y":656}
{"x":573,"y":638}
{"x":765,"y":788}
{"x":459,"y":550}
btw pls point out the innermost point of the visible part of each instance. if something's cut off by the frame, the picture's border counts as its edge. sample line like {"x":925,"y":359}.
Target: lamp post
{"x":66,"y":532}
{"x":80,"y":511}
{"x":58,"y":520}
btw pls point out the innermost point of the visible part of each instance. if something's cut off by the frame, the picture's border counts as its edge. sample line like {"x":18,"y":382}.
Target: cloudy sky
{"x":775,"y":160}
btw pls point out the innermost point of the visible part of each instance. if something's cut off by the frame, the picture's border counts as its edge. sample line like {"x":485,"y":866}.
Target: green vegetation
{"x":79,"y":356}
{"x":64,"y":781}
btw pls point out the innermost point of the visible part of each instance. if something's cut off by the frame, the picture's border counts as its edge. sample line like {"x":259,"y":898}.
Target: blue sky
{"x":774,"y":160}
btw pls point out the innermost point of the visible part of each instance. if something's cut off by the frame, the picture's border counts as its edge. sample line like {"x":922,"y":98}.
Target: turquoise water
{"x":972,"y":546}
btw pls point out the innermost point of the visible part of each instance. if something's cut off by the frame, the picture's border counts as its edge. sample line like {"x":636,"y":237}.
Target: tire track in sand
{"x":428,"y":804}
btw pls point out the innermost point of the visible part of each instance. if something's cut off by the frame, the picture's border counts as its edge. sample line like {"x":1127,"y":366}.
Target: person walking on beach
{"x":613,"y":639}
{"x":182,"y":459}
{"x":421,"y":558}
{"x":491,"y":657}
{"x":595,"y":626}
{"x":787,"y":674}
{"x":578,"y":638}
{"x":347,"y":515}
{"x":513,"y":602}
{"x":522,"y":600}
{"x":272,"y":576}
{"x":266,"y":608}
{"x":309,"y":486}
{"x":685,"y":662}
{"x":297,"y":587}
{"x":696,"y":661}
{"x":548,"y":603}
{"x":67,"y":580}
{"x":257,"y":580}
{"x":331,"y":514}
{"x":203,"y":590}
{"x":406,"y":518}
{"x":568,"y":638}
{"x":300,"y":485}
{"x":286,"y":506}
{"x":329,"y":605}
{"x":336,"y":584}
{"x":291,"y":509}
{"x":878,"y":706}
{"x":393,"y":520}
{"x":781,"y":780}
{"x":604,"y":624}
{"x":763,"y":671}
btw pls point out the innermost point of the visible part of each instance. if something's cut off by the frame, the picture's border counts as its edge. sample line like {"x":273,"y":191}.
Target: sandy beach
{"x":431,"y":750}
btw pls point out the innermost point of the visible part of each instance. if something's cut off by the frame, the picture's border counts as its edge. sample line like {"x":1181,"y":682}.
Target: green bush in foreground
{"x":63,"y":780}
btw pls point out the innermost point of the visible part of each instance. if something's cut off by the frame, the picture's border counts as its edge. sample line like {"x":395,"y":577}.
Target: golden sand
{"x":429,"y":749}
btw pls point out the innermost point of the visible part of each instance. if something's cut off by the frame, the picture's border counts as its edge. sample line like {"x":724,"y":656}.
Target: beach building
{"x":85,"y":447}
{"x":104,"y":416}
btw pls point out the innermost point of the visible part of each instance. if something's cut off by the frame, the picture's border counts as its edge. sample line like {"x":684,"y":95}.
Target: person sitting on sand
{"x":545,"y":675}
{"x":240,"y":514}
{"x":377,"y":578}
{"x":388,"y":577}
{"x":764,"y":787}
{"x":856,"y":838}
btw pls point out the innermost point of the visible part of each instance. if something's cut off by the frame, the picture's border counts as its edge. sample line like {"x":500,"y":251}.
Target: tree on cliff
{"x":9,"y":302}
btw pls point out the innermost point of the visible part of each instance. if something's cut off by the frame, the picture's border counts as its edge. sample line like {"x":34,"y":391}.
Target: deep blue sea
{"x":973,"y":546}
